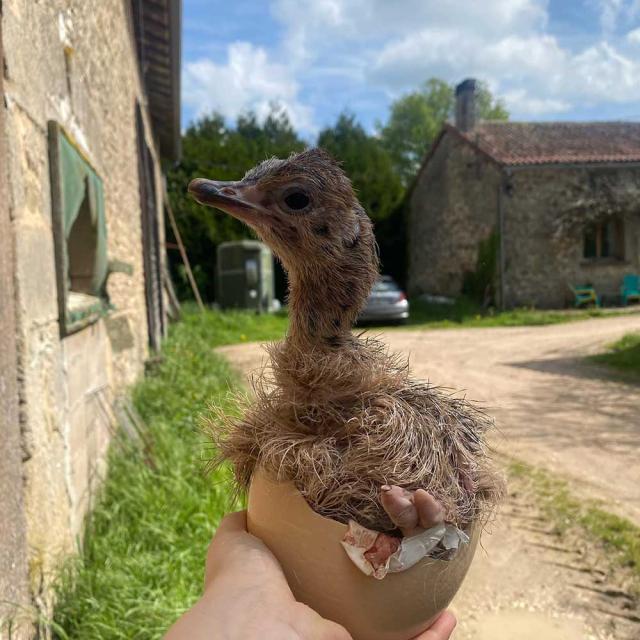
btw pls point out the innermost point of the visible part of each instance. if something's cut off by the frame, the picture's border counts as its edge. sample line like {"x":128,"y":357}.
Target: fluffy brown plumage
{"x":333,"y":412}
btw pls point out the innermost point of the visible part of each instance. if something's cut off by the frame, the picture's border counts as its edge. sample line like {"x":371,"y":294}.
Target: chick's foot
{"x":411,"y":511}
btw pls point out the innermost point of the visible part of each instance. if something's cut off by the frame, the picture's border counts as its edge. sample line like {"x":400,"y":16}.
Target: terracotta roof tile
{"x":521,"y":143}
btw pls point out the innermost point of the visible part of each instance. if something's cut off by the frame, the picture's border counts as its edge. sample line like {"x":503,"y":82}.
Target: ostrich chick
{"x":335,"y":413}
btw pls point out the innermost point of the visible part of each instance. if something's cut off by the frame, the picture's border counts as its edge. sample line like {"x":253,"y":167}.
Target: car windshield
{"x":383,"y":286}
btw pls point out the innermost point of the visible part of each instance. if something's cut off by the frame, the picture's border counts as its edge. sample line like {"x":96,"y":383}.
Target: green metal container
{"x":245,"y":278}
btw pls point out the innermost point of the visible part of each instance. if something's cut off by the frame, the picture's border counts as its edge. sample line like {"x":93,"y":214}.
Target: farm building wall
{"x":455,"y":209}
{"x":546,"y":213}
{"x":73,"y":63}
{"x":452,"y":211}
{"x":14,"y":586}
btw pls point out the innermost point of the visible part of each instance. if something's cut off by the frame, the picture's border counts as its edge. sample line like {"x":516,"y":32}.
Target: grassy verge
{"x":620,"y":537}
{"x":146,"y":540}
{"x":623,"y":355}
{"x":232,"y":327}
{"x":464,"y":312}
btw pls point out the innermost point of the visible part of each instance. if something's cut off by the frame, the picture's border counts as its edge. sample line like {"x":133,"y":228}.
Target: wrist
{"x":249,"y":612}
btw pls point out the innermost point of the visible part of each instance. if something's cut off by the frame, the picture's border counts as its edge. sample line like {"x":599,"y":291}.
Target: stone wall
{"x":453,"y":208}
{"x":73,"y":62}
{"x":14,"y":586}
{"x":541,"y":264}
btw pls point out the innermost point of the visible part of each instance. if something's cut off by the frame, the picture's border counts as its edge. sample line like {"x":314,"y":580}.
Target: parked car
{"x":386,"y":303}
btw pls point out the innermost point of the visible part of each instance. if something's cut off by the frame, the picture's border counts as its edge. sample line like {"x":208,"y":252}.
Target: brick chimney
{"x":466,"y":105}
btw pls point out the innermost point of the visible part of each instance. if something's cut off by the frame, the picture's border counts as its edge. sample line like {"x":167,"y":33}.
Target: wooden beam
{"x":153,"y":53}
{"x":183,"y":252}
{"x":157,"y":40}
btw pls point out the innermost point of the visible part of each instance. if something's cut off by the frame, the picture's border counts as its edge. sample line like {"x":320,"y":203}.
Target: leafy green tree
{"x":366,"y":162}
{"x":416,"y":119}
{"x":212,"y":149}
{"x":414,"y":122}
{"x":378,"y":185}
{"x":490,"y":108}
{"x":380,"y":167}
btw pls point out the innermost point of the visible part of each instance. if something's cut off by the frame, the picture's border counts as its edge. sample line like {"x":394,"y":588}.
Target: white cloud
{"x":341,"y":50}
{"x":324,"y":20}
{"x":633,"y":37}
{"x":508,"y":46}
{"x":520,"y":101}
{"x":601,"y":72}
{"x":610,"y":11}
{"x":613,"y":12}
{"x":533,"y":67}
{"x":247,"y":80}
{"x":453,"y":55}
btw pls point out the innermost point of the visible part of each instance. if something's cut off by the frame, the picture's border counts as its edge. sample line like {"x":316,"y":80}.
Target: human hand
{"x":247,"y":596}
{"x":441,"y":629}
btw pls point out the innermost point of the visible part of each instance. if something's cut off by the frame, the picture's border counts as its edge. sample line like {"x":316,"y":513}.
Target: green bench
{"x":630,"y":289}
{"x":585,"y":295}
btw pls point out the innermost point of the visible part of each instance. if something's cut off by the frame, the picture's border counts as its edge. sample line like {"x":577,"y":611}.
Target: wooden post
{"x":14,"y":585}
{"x":183,"y":253}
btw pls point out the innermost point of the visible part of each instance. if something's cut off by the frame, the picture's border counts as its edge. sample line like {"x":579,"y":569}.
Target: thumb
{"x":441,"y":629}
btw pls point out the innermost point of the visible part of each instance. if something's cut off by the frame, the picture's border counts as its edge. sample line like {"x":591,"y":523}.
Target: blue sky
{"x":548,"y":60}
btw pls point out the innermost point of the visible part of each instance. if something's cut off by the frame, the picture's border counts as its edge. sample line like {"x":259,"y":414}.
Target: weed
{"x":620,"y":536}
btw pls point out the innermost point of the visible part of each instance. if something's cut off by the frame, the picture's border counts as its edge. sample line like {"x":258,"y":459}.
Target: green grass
{"x":465,"y":313}
{"x":235,"y":326}
{"x":620,"y":537}
{"x":623,"y":355}
{"x":145,"y":543}
{"x":231,"y":327}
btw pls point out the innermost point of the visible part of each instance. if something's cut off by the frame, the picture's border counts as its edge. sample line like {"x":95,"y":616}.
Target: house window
{"x":80,"y":234}
{"x":82,"y":248}
{"x":604,"y":240}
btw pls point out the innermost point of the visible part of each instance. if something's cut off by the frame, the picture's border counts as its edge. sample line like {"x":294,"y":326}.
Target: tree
{"x":274,"y":137}
{"x":413,"y":124}
{"x":212,"y":149}
{"x":490,"y":108}
{"x":366,"y":162}
{"x":380,"y":167}
{"x":377,"y":184}
{"x":416,"y":119}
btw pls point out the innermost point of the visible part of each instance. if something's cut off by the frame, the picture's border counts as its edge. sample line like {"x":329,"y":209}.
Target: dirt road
{"x":527,"y":584}
{"x":556,"y":411}
{"x":552,"y":407}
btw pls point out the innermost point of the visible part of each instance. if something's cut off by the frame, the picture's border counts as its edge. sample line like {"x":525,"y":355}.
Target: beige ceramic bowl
{"x":321,"y":575}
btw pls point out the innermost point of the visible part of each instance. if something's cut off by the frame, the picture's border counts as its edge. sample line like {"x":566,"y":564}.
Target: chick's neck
{"x":323,"y":305}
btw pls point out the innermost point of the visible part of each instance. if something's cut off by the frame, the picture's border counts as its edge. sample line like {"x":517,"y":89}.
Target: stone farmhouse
{"x":89,"y":112}
{"x":519,"y":212}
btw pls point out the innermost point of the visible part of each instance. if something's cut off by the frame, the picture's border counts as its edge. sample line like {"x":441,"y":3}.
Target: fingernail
{"x":385,"y":487}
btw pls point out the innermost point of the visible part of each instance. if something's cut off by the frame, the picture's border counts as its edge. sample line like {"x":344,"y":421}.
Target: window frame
{"x":616,"y":251}
{"x":96,"y":304}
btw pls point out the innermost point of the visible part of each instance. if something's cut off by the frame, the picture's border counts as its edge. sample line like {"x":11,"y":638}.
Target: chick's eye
{"x":297,"y":200}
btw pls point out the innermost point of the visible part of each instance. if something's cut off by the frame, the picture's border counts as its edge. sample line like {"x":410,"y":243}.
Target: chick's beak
{"x":240,"y":200}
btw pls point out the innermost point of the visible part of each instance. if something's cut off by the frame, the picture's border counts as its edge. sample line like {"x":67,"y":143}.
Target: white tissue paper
{"x":377,"y":554}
